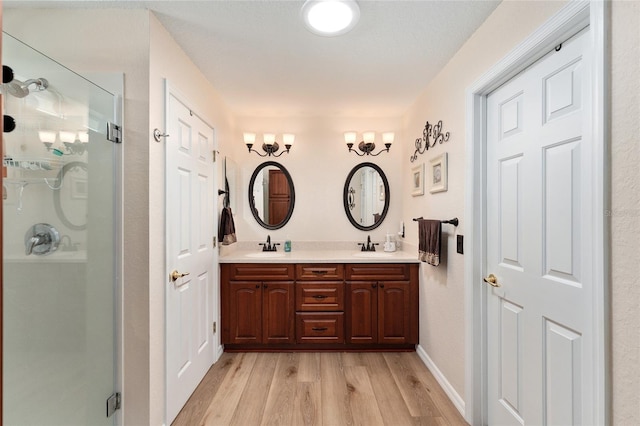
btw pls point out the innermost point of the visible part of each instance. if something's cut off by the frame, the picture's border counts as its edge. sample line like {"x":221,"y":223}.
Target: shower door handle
{"x":174,"y":275}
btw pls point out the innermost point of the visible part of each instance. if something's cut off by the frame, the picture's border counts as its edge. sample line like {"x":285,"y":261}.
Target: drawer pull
{"x":319,"y":328}
{"x":319,"y":296}
{"x":320,"y":272}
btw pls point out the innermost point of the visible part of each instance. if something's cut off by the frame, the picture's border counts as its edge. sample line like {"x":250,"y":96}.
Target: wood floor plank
{"x":307,"y":406}
{"x":197,"y":405}
{"x":362,"y":400}
{"x":319,"y":389}
{"x":279,"y":406}
{"x":352,"y":359}
{"x":309,"y":367}
{"x":224,"y":403}
{"x":335,"y":399}
{"x":392,"y":406}
{"x":254,"y":398}
{"x":436,"y":393}
{"x":413,"y":392}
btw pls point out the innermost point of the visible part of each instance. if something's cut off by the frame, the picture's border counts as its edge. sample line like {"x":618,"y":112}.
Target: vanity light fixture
{"x":270,"y":146}
{"x":330,"y":18}
{"x":367,"y":145}
{"x":74,"y":142}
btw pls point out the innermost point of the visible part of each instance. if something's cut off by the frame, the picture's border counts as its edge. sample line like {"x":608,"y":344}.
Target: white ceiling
{"x":265,"y":63}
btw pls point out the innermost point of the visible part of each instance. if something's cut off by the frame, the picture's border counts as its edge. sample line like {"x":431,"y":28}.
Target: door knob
{"x":174,"y":275}
{"x":492,"y":280}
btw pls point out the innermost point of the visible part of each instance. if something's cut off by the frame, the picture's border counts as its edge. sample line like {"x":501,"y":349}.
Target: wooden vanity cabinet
{"x":257,"y":304}
{"x":382,"y":304}
{"x":319,"y":306}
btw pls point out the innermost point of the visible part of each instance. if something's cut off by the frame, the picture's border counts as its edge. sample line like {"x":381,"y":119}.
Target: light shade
{"x":350,"y":137}
{"x":68,"y":137}
{"x":269,"y":138}
{"x":330,"y":17}
{"x":249,"y":138}
{"x":46,"y":136}
{"x":369,"y":137}
{"x":288,"y":138}
{"x":387,"y":137}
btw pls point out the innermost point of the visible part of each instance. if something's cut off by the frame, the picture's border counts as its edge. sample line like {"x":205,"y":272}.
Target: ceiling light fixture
{"x":330,"y":17}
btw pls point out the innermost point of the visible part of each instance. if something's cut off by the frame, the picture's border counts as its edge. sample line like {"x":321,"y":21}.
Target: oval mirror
{"x":70,"y":195}
{"x":366,"y":196}
{"x":271,"y":195}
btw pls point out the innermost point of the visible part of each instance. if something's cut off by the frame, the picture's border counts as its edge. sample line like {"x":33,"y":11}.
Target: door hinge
{"x":214,"y":155}
{"x":215,"y":327}
{"x":114,"y":132}
{"x":113,"y":404}
{"x":215,"y":241}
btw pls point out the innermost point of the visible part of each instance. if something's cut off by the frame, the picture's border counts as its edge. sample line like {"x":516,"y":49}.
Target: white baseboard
{"x":218,"y":353}
{"x":442,"y":380}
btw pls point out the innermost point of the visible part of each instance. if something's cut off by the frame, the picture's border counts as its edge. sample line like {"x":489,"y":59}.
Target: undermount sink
{"x":265,"y":254}
{"x":372,"y":254}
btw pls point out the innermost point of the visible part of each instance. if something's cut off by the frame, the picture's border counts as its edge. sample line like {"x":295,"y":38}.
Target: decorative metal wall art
{"x":431,"y":135}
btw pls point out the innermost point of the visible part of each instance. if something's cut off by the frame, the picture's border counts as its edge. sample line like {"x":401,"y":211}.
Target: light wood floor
{"x":328,"y":388}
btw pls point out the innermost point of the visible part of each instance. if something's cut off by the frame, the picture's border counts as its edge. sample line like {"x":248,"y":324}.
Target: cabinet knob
{"x":265,"y":285}
{"x":374,"y":285}
{"x":381,"y":285}
{"x":257,"y":285}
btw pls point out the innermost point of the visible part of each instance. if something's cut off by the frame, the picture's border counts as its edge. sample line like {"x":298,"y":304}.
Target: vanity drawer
{"x":260,"y":271}
{"x":320,"y":296}
{"x":377,"y":272}
{"x":320,"y":327}
{"x":317,"y":271}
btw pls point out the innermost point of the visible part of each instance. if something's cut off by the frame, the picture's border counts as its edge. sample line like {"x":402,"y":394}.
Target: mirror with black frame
{"x":271,"y":195}
{"x":366,"y":196}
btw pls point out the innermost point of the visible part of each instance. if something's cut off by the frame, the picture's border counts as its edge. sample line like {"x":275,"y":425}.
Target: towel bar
{"x":453,"y":221}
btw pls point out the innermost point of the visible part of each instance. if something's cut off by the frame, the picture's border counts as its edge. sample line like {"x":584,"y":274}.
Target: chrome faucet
{"x":368,"y":246}
{"x":268,"y":246}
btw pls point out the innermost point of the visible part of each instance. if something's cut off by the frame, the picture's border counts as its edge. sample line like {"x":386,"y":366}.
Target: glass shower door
{"x":59,"y":245}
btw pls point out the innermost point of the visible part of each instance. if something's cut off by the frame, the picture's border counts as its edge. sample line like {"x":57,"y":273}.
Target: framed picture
{"x":417,"y":180}
{"x":438,"y":174}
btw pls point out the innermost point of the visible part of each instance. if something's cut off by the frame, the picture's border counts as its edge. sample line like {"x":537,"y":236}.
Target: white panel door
{"x":190,"y":207}
{"x":540,"y":366}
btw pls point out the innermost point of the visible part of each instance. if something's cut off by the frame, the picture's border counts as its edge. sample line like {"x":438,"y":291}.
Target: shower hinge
{"x":114,"y":133}
{"x":113,"y":404}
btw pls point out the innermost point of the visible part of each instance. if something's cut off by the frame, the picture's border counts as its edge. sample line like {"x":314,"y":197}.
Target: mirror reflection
{"x":366,"y":196}
{"x":271,"y":195}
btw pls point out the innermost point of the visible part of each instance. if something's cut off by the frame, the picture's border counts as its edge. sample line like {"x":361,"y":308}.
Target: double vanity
{"x":319,"y":299}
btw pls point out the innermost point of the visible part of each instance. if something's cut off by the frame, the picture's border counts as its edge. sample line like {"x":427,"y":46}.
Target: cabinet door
{"x":361,"y":312}
{"x":278,"y":306}
{"x":245,"y":312}
{"x":394,"y":312}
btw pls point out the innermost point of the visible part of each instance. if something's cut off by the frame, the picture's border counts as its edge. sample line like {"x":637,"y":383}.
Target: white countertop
{"x":318,"y":256}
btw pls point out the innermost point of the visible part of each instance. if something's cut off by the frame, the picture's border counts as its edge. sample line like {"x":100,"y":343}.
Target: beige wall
{"x":319,"y":163}
{"x":442,"y":320}
{"x":625,"y":211}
